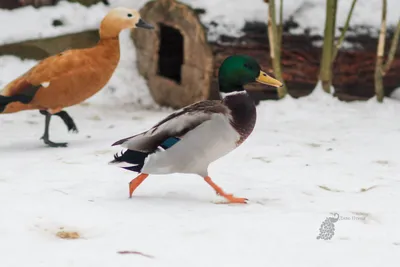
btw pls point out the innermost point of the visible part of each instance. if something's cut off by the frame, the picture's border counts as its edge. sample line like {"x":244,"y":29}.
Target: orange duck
{"x":72,"y":76}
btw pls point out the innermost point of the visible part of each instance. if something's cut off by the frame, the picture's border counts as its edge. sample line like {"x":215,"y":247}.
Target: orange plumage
{"x":72,"y":76}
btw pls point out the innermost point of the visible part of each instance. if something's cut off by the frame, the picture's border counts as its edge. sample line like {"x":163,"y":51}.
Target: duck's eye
{"x":129,"y":15}
{"x":247,"y":66}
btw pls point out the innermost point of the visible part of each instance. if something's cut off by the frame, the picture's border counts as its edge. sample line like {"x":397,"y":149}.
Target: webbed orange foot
{"x":229,"y":197}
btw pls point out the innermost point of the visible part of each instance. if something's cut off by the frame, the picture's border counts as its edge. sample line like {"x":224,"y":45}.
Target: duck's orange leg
{"x":136,"y":182}
{"x":229,"y":197}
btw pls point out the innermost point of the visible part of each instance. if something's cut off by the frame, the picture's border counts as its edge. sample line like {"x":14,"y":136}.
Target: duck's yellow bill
{"x":266,"y":79}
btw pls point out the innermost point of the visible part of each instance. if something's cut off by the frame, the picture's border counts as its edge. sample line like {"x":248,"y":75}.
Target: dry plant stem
{"x":345,"y":28}
{"x":325,"y":75}
{"x":275,"y":47}
{"x":392,"y":51}
{"x":379,"y":90}
{"x":280,"y":29}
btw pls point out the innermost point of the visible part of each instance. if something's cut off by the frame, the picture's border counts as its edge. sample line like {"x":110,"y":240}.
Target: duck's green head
{"x":239,"y":70}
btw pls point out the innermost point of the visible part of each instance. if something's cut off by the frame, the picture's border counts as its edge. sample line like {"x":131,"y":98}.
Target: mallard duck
{"x":72,"y":76}
{"x":188,"y":140}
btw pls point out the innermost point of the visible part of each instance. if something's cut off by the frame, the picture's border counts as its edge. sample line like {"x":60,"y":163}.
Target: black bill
{"x":142,"y":24}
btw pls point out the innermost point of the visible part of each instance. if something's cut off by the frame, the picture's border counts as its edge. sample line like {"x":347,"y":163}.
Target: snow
{"x":307,"y":158}
{"x":31,"y":23}
{"x":396,"y":94}
{"x":310,"y":14}
{"x":230,"y":16}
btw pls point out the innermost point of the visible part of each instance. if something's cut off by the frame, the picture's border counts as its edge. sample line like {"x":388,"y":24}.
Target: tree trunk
{"x":275,"y":47}
{"x":379,"y":90}
{"x":325,"y":75}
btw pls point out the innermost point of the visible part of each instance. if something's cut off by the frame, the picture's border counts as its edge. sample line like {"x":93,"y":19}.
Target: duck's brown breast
{"x":243,"y":112}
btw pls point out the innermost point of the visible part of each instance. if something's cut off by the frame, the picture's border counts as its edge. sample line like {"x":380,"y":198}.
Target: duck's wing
{"x":51,"y":68}
{"x":174,"y":126}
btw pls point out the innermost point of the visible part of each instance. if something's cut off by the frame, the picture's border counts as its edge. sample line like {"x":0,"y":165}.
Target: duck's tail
{"x":11,"y":104}
{"x":130,"y":160}
{"x":4,"y":101}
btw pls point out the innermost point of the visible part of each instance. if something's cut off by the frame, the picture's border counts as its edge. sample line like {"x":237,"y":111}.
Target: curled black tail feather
{"x":5,"y":100}
{"x":136,"y":158}
{"x":117,"y":158}
{"x":28,"y":92}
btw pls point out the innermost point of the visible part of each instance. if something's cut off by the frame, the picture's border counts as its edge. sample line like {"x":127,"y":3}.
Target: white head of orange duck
{"x":121,"y":18}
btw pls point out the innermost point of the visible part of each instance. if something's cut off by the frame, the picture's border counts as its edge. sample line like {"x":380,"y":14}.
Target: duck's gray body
{"x":196,"y":150}
{"x":207,"y":130}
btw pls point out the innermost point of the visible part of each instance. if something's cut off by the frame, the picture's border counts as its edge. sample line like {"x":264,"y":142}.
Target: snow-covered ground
{"x":306,"y":159}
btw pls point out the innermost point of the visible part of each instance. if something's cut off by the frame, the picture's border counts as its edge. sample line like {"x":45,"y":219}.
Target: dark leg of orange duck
{"x":45,"y":136}
{"x":229,"y":197}
{"x":136,"y":182}
{"x":66,"y":118}
{"x":68,"y":121}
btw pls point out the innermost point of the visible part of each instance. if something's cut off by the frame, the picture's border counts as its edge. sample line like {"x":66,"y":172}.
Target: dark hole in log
{"x":170,"y":54}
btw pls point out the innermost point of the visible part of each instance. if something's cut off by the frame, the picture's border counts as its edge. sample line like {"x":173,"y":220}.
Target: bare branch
{"x":393,"y":48}
{"x":382,"y":33}
{"x":271,"y":35}
{"x":345,"y":28}
{"x":280,"y":29}
{"x":275,"y":47}
{"x":325,"y":74}
{"x":378,"y":77}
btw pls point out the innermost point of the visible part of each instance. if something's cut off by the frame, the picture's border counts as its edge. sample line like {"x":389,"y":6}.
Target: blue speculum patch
{"x":169,"y":142}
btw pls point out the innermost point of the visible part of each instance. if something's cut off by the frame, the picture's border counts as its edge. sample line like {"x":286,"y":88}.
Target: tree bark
{"x":325,"y":75}
{"x":275,"y":47}
{"x":379,"y":90}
